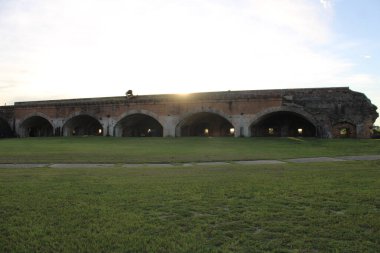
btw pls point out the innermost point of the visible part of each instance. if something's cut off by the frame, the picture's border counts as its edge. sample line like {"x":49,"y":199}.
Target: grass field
{"x":148,"y":150}
{"x":314,"y":207}
{"x":279,"y":208}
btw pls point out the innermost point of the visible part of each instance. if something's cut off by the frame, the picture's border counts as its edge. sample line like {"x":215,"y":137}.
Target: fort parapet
{"x":316,"y":112}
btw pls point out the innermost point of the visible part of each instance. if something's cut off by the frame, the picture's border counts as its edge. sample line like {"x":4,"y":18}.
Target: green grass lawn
{"x":317,"y":207}
{"x":148,"y":150}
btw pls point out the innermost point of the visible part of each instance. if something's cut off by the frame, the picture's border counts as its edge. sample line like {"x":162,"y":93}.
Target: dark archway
{"x":5,"y":129}
{"x":82,"y":125}
{"x":138,"y":125}
{"x":206,"y":124}
{"x":283,"y":124}
{"x":36,"y":126}
{"x":344,"y":130}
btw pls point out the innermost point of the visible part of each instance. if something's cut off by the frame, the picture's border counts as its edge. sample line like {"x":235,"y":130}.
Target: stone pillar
{"x":236,"y":122}
{"x":18,"y":129}
{"x":57,"y":124}
{"x":169,"y":124}
{"x":109,"y":127}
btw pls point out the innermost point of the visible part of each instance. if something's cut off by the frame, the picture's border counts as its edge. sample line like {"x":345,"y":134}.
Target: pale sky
{"x":53,"y":49}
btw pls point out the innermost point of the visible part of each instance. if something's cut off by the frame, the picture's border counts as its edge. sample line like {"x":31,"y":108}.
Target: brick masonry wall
{"x":326,"y":108}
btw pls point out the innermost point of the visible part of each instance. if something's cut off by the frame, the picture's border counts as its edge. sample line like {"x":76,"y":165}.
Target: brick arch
{"x":142,"y":123}
{"x":257,"y":118}
{"x":36,"y":124}
{"x":138,"y":111}
{"x":344,"y":129}
{"x":80,"y":113}
{"x":89,"y":119}
{"x":210,"y":111}
{"x":39,"y":114}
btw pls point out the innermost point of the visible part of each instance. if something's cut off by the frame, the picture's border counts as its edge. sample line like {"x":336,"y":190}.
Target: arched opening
{"x":205,"y":124}
{"x":138,"y":125}
{"x":82,"y":125}
{"x":344,"y":130}
{"x":283,"y":124}
{"x":5,"y":129}
{"x":36,"y":126}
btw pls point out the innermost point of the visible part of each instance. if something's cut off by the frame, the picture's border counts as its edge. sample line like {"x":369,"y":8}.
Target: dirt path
{"x":158,"y":165}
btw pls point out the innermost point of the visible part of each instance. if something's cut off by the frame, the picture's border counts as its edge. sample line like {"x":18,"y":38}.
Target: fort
{"x":313,"y":112}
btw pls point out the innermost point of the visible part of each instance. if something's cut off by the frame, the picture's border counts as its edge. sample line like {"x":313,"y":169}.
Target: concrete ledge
{"x":314,"y":160}
{"x":211,"y":163}
{"x":259,"y":162}
{"x":151,"y":165}
{"x":80,"y":165}
{"x":22,"y":166}
{"x":360,"y":158}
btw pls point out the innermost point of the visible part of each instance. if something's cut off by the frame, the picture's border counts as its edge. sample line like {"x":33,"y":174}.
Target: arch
{"x":36,"y":125}
{"x":5,"y":129}
{"x":82,"y":124}
{"x":344,"y":129}
{"x":139,"y":111}
{"x":205,"y":123}
{"x":138,"y":125}
{"x":283,"y":122}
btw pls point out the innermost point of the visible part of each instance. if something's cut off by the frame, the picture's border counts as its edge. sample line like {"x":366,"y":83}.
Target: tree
{"x":376,"y":132}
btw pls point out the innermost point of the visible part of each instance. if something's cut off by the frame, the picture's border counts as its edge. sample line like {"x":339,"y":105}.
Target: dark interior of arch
{"x":37,"y":126}
{"x":344,"y":130}
{"x":206,"y":124}
{"x":140,"y":125}
{"x":283,"y":124}
{"x":5,"y":129}
{"x":83,"y":125}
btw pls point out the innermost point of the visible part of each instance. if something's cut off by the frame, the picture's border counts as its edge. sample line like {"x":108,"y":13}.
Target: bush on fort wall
{"x":375,"y":132}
